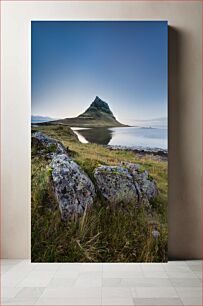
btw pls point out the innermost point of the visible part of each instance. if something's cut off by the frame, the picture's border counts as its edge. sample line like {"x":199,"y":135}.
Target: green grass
{"x":103,"y":233}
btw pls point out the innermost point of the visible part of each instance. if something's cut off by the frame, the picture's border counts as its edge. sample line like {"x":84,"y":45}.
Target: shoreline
{"x":162,"y":153}
{"x":142,"y":151}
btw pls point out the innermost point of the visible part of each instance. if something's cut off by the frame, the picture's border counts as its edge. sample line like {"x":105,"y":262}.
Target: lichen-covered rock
{"x":125,"y":183}
{"x":146,"y":185}
{"x":73,"y":188}
{"x":46,"y":145}
{"x":116,"y":184}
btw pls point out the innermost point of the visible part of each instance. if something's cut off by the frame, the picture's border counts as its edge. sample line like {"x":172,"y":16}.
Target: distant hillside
{"x":98,"y":114}
{"x":38,"y":119}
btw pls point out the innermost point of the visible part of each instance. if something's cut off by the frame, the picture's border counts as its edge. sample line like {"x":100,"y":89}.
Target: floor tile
{"x":178,"y":274}
{"x":111,"y":282}
{"x":61,"y":282}
{"x":123,"y":274}
{"x":13,"y":262}
{"x":88,"y":282}
{"x":4,"y":301}
{"x":145,"y":282}
{"x":193,"y":262}
{"x":117,"y":301}
{"x":153,"y":267}
{"x":73,"y":292}
{"x":154,"y":292}
{"x":9,"y":292}
{"x":32,"y":292}
{"x":189,"y":291}
{"x":21,"y":301}
{"x":69,"y":301}
{"x":91,"y":267}
{"x":91,"y":275}
{"x":155,"y":274}
{"x":192,"y":301}
{"x":37,"y":279}
{"x":177,"y":268}
{"x":47,"y":267}
{"x":16,"y":274}
{"x":195,"y":268}
{"x":176,"y":263}
{"x":116,"y":292}
{"x":198,"y":274}
{"x":66,"y":273}
{"x":185,"y":282}
{"x":119,"y":267}
{"x":157,"y":301}
{"x":6,"y":268}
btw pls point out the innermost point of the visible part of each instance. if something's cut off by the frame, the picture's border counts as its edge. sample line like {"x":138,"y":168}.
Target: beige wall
{"x":184,"y":112}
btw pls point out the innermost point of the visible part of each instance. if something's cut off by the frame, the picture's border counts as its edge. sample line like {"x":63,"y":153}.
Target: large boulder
{"x":73,"y":188}
{"x":46,"y":145}
{"x":125,"y":183}
{"x":116,"y":184}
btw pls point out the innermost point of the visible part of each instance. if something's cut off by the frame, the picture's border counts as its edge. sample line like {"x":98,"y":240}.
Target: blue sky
{"x":122,"y":62}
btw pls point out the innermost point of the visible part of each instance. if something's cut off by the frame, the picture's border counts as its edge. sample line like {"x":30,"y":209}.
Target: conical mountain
{"x":97,"y":108}
{"x":98,"y":114}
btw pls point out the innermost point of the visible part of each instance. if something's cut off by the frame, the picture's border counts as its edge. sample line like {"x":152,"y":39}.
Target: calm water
{"x":124,"y":136}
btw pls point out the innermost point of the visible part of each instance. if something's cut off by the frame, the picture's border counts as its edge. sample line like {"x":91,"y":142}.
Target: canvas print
{"x":99,"y":152}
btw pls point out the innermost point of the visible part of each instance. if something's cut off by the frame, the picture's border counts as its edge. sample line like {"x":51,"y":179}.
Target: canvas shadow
{"x":182,"y":214}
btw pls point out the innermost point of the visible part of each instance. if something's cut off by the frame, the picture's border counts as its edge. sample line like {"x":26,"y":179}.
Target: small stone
{"x":155,"y":234}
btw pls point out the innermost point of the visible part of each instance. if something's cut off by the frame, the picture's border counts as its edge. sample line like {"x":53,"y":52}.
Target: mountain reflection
{"x":96,"y":135}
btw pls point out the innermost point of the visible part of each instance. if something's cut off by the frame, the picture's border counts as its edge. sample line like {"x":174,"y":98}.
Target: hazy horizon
{"x":122,"y":62}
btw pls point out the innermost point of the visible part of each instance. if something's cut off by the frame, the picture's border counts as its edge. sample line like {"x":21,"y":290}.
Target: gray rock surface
{"x":116,"y":184}
{"x":73,"y":188}
{"x":125,"y":183}
{"x":147,"y":186}
{"x":47,"y":145}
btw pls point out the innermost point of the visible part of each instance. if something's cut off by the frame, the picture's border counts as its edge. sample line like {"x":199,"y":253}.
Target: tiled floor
{"x":174,"y":283}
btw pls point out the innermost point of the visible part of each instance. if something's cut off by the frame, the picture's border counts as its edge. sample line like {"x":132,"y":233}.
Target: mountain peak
{"x":99,"y":105}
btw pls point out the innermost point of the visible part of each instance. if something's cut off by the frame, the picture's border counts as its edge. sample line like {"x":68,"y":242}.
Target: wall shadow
{"x":182,"y":209}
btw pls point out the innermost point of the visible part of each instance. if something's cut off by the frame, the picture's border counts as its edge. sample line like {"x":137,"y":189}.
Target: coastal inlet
{"x":144,"y":137}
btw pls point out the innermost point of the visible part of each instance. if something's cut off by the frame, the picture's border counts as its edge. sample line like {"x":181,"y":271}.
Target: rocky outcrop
{"x":73,"y":188}
{"x":125,"y":183}
{"x":46,"y":145}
